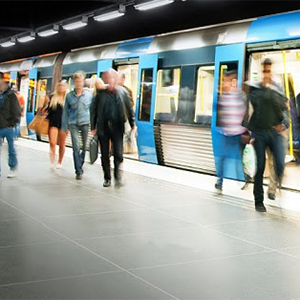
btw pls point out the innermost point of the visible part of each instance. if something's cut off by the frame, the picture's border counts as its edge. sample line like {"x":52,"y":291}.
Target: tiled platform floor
{"x":64,"y":239}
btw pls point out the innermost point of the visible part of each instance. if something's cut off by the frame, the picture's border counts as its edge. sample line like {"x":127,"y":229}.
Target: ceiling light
{"x":27,"y":38}
{"x":77,"y":24}
{"x":9,"y":43}
{"x":49,"y":32}
{"x":109,"y":16}
{"x":152,"y":4}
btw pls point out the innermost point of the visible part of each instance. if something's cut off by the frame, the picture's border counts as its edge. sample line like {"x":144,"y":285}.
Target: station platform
{"x":164,"y":235}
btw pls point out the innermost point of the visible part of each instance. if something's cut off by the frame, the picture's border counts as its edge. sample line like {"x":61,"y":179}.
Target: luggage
{"x":40,"y":124}
{"x":94,"y":149}
{"x":249,"y":160}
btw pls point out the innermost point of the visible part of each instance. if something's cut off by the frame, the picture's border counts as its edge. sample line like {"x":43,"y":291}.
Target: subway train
{"x":175,"y":78}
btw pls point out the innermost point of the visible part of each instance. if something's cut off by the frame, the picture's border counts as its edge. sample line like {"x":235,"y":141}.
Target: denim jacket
{"x":77,"y":109}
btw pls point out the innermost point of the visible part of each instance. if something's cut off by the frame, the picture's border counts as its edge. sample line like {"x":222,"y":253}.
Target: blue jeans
{"x":17,"y":130}
{"x":8,"y":133}
{"x":78,"y":156}
{"x":263,"y":139}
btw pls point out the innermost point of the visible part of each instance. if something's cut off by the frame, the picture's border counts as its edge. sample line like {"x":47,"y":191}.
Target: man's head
{"x":79,"y":78}
{"x":111,"y":77}
{"x":4,"y":81}
{"x":15,"y":88}
{"x":230,"y":81}
{"x":267,"y":70}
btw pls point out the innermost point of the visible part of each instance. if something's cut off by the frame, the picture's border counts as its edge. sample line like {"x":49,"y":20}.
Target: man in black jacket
{"x":110,"y":110}
{"x":10,"y":114}
{"x":267,"y":124}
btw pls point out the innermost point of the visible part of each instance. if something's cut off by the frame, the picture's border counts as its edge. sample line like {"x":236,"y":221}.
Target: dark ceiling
{"x":16,"y":15}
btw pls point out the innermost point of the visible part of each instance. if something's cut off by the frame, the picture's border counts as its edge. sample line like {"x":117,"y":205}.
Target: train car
{"x":175,"y":80}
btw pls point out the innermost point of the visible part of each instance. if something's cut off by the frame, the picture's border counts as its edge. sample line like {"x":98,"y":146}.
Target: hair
{"x":267,"y":62}
{"x":56,"y":98}
{"x":96,"y":82}
{"x":231,"y":72}
{"x":79,"y":74}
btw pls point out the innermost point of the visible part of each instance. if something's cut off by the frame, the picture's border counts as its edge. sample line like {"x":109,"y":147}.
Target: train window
{"x":167,"y":94}
{"x":204,"y":95}
{"x":146,"y":95}
{"x":228,"y":82}
{"x":30,"y":103}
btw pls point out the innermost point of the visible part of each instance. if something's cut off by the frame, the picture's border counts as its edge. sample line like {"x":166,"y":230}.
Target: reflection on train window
{"x":31,"y":95}
{"x":167,"y":94}
{"x":228,"y":82}
{"x":204,"y":96}
{"x":146,"y":95}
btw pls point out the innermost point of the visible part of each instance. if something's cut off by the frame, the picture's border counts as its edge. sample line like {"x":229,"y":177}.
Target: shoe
{"x":219,"y":188}
{"x":260,"y":207}
{"x":118,"y":183}
{"x":11,"y":174}
{"x":78,"y":176}
{"x":106,"y":183}
{"x":59,"y":166}
{"x":52,"y":166}
{"x":271,"y":196}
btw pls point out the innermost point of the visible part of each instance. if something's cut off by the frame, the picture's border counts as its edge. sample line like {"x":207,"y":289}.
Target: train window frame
{"x":206,"y":118}
{"x":172,"y":68}
{"x":141,"y":98}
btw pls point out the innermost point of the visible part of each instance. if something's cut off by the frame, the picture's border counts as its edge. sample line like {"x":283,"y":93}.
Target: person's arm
{"x":15,"y":110}
{"x":65,"y":116}
{"x":129,"y":110}
{"x":93,"y":114}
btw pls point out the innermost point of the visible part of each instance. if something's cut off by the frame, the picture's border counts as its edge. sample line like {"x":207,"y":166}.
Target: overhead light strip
{"x":49,"y":32}
{"x":27,"y":38}
{"x":75,"y":25}
{"x":152,"y":4}
{"x":109,"y":16}
{"x":10,"y":43}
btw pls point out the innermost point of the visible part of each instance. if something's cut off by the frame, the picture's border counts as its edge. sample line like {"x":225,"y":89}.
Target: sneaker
{"x":59,"y":166}
{"x":271,"y":196}
{"x":119,"y":183}
{"x":219,"y":188}
{"x":78,"y":176}
{"x":260,"y":207}
{"x":11,"y":174}
{"x":52,"y":166}
{"x":106,"y":183}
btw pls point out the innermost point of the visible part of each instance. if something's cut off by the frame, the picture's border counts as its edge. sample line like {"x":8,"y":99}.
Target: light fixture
{"x":49,"y":32}
{"x":27,"y":38}
{"x":152,"y":4}
{"x":83,"y":22}
{"x":109,"y":16}
{"x":9,"y":43}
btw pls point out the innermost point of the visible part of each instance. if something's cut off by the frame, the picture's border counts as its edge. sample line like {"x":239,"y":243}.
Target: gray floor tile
{"x":275,"y":233}
{"x":260,"y":277}
{"x":114,"y":223}
{"x":47,"y":261}
{"x":19,"y":232}
{"x":104,"y":286}
{"x":9,"y":213}
{"x":295,"y":251}
{"x":167,"y":247}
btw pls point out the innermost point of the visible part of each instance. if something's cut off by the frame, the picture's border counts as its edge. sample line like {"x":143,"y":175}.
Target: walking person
{"x":267,"y":125}
{"x":22,"y":104}
{"x":76,"y":119}
{"x":109,"y":112}
{"x":56,"y":135}
{"x":10,"y":114}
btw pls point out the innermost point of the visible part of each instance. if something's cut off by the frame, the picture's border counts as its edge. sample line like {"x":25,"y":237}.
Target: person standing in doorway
{"x":110,"y":110}
{"x":22,"y":104}
{"x":266,"y":123}
{"x":76,"y":118}
{"x":56,"y":135}
{"x":10,"y":114}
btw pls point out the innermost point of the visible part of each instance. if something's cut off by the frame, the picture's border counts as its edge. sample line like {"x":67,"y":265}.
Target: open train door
{"x":103,"y":65}
{"x":31,"y":100}
{"x":227,"y":58}
{"x":145,"y":108}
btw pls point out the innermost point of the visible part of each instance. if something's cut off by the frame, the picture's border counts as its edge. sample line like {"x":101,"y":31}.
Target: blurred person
{"x":121,"y":82}
{"x":56,"y":135}
{"x":22,"y":104}
{"x":231,"y":112}
{"x":76,"y":119}
{"x":10,"y":114}
{"x":266,"y":123}
{"x":109,"y":111}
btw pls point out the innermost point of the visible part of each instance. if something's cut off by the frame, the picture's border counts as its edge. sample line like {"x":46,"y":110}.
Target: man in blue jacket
{"x":10,"y":114}
{"x":76,"y":118}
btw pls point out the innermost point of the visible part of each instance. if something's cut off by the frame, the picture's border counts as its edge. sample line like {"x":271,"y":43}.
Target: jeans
{"x":263,"y":139}
{"x":78,"y":156}
{"x":8,"y":133}
{"x":17,"y":130}
{"x":114,"y":133}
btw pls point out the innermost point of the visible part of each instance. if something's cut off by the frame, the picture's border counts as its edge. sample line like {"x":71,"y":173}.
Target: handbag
{"x":40,"y":124}
{"x":94,"y":149}
{"x":249,"y":160}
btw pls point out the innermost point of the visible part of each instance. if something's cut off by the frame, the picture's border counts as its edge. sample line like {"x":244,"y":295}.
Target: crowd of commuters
{"x":107,"y":106}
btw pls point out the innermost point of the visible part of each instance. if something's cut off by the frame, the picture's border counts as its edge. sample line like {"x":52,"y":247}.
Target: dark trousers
{"x":112,"y":132}
{"x":263,"y":139}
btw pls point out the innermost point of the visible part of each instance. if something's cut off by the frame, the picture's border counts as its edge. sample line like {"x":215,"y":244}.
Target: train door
{"x":24,"y":89}
{"x":145,"y":108}
{"x":227,"y":154}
